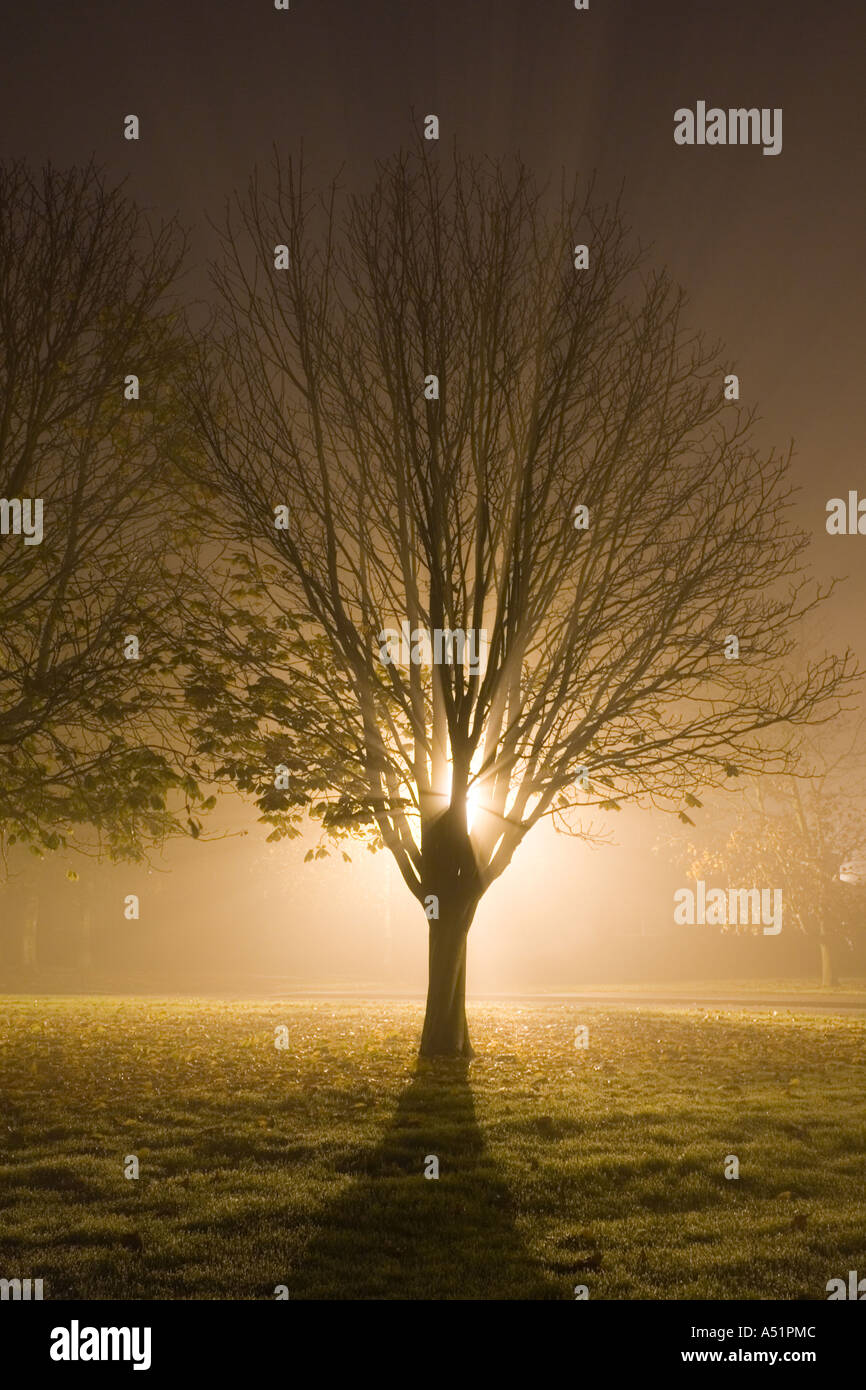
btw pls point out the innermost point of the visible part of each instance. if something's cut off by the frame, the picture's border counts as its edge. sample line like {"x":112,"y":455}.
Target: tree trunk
{"x":446,"y":1033}
{"x":450,"y":880}
{"x":30,"y":935}
{"x":828,"y":973}
{"x":85,"y":953}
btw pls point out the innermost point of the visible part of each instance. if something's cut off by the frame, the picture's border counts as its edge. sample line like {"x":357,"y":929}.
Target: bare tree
{"x":85,"y":307}
{"x":434,"y":383}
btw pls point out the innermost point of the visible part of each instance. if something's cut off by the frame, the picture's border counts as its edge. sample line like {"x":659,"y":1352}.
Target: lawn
{"x":304,"y":1167}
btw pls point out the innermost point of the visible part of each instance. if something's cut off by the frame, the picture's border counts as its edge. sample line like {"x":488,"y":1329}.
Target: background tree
{"x":455,"y":508}
{"x":85,"y":304}
{"x":804,"y":834}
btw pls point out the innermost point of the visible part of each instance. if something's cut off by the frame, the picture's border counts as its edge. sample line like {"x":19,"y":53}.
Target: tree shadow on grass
{"x":395,"y":1234}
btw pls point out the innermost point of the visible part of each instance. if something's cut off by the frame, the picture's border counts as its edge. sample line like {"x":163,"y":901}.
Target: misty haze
{"x":432,"y":725}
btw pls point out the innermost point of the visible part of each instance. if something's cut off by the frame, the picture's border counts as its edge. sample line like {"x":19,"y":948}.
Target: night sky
{"x":770,"y":249}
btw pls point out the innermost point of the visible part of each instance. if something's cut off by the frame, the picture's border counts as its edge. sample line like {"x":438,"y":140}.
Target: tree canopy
{"x":91,"y":350}
{"x":461,"y":401}
{"x":557,"y":388}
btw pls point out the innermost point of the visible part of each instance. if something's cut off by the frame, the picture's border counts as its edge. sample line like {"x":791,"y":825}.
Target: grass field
{"x":304,"y":1167}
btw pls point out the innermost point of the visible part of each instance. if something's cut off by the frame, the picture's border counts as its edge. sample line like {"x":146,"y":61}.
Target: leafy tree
{"x":806,"y":835}
{"x":85,"y":304}
{"x":559,"y":387}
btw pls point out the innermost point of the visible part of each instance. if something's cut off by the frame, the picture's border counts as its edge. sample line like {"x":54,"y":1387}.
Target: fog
{"x":230,"y":914}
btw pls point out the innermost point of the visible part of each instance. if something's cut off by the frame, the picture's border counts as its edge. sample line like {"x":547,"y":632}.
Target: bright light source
{"x":473,"y":802}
